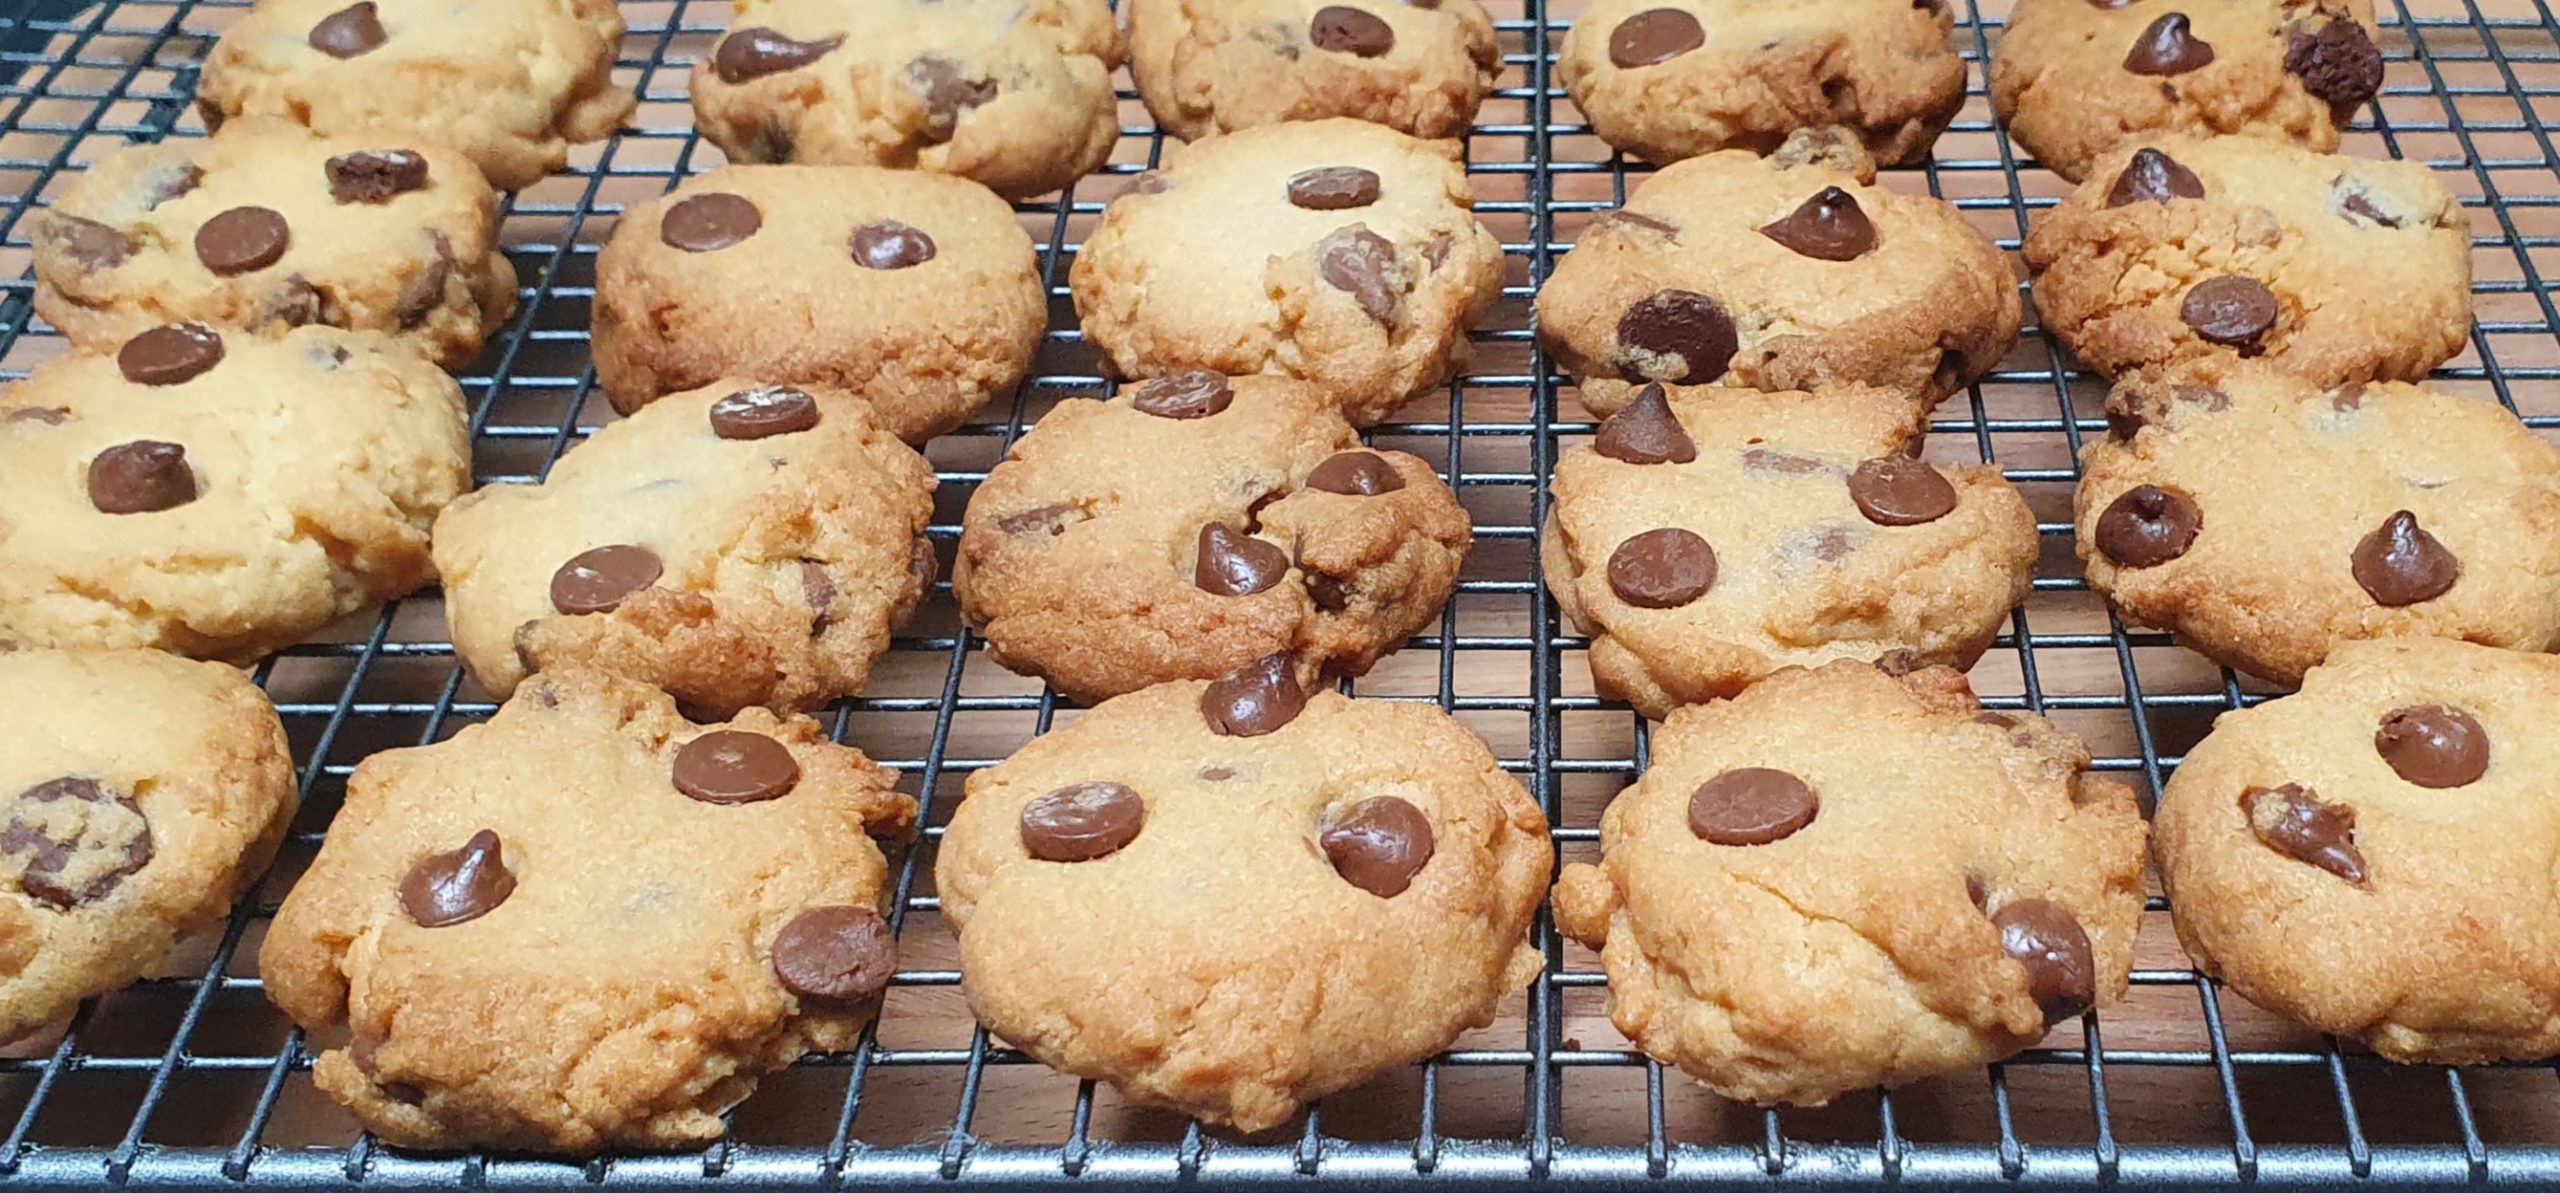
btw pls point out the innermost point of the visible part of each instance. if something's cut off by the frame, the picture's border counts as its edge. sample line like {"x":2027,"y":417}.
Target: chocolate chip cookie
{"x":1794,"y":271}
{"x":917,"y":292}
{"x":2075,"y":78}
{"x":736,"y":545}
{"x":1669,"y":79}
{"x":1335,"y":251}
{"x":1843,"y":879}
{"x":143,"y":794}
{"x":2264,"y":520}
{"x":510,"y":83}
{"x":1214,"y":66}
{"x":269,"y":228}
{"x":2395,"y":812}
{"x":1707,"y":538}
{"x":2337,"y":268}
{"x":1232,"y":898}
{"x":219,"y":495}
{"x":588,"y":923}
{"x":1196,"y":523}
{"x":1015,"y":94}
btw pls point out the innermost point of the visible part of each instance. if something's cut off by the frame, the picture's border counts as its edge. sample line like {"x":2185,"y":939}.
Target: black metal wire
{"x":104,"y":1104}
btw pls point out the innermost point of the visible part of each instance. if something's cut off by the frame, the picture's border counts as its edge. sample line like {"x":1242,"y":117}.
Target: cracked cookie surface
{"x":1194,"y":524}
{"x":510,"y":83}
{"x":143,"y":793}
{"x":589,"y":923}
{"x":1790,"y":272}
{"x":2336,"y":268}
{"x":917,"y":292}
{"x":2073,"y":79}
{"x":1234,"y":918}
{"x":1214,"y":66}
{"x":1338,"y":252}
{"x":2264,"y":520}
{"x":1841,"y":880}
{"x":268,"y":227}
{"x":736,"y":545}
{"x":218,"y":495}
{"x":2396,"y":812}
{"x":1705,"y":540}
{"x":1015,"y":94}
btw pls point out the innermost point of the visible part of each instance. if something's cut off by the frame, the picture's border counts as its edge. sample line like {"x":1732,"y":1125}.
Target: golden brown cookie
{"x":1214,"y":66}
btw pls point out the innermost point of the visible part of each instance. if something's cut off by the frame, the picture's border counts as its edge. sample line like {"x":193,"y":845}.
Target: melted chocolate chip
{"x":2167,"y":47}
{"x":1363,"y":264}
{"x":1827,"y":227}
{"x":948,"y":93}
{"x":1379,"y":845}
{"x":1257,"y":699}
{"x":763,"y":412}
{"x":599,"y":580}
{"x":376,"y":177}
{"x":424,"y":291}
{"x":889,"y":244}
{"x":2433,"y":745}
{"x":1900,"y":491}
{"x":1342,"y":30}
{"x":2401,"y":564}
{"x":1761,"y":459}
{"x":458,"y":886}
{"x":839,"y":954}
{"x":1662,"y":569}
{"x":818,"y":591}
{"x":1047,"y":520}
{"x":2298,"y":824}
{"x":2338,"y":62}
{"x":1754,"y":805}
{"x":1645,"y":431}
{"x":142,"y":477}
{"x":1356,"y":474}
{"x":2231,"y":311}
{"x":2148,"y":526}
{"x":1676,"y":335}
{"x":51,"y":416}
{"x":707,"y":223}
{"x":1654,"y":36}
{"x":755,"y":51}
{"x":349,"y":32}
{"x":90,"y":245}
{"x":1333,"y":188}
{"x":243,"y":240}
{"x":2153,"y":177}
{"x":172,"y":354}
{"x":2359,"y":210}
{"x":1329,"y":593}
{"x":1082,"y":821}
{"x":174,"y":180}
{"x":2062,"y":970}
{"x":1231,"y":564}
{"x":1196,"y":394}
{"x":730,"y":767}
{"x":73,"y":842}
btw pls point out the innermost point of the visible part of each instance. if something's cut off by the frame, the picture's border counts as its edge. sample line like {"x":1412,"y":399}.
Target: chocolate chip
{"x":172,"y":181}
{"x":1662,"y":569}
{"x":889,"y":244}
{"x":242,"y":240}
{"x":1654,"y":36}
{"x":1378,"y":845}
{"x":1645,"y":431}
{"x":2230,"y":311}
{"x":730,"y":767}
{"x":1827,"y":227}
{"x":2433,"y":745}
{"x":2168,"y":48}
{"x":599,"y":580}
{"x":1754,"y":805}
{"x":2338,"y":62}
{"x":90,"y":245}
{"x":2148,"y":526}
{"x":1436,"y":253}
{"x":368,"y":177}
{"x":839,"y":954}
{"x":2124,"y":419}
{"x":458,"y":886}
{"x":51,"y":416}
{"x":1761,"y":459}
{"x":947,"y":93}
{"x":1356,"y":474}
{"x":1363,"y":264}
{"x":424,"y":291}
{"x":2298,"y":824}
{"x":1333,"y":188}
{"x":1051,"y":520}
{"x":1082,"y":821}
{"x":2154,"y":177}
{"x":2401,"y":564}
{"x":2062,"y":970}
{"x":762,"y":412}
{"x":1677,"y":336}
{"x":1231,"y":564}
{"x":1900,"y":491}
{"x":755,"y":51}
{"x":707,"y":223}
{"x":1196,"y":394}
{"x":818,"y":591}
{"x":74,"y":842}
{"x":349,"y":32}
{"x":1329,"y":593}
{"x":142,"y":477}
{"x":1344,"y":30}
{"x":171,"y":354}
{"x":2360,"y":210}
{"x":2347,"y":398}
{"x":1254,"y":700}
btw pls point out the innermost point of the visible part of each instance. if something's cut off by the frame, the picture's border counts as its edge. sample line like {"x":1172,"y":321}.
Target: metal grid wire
{"x":190,"y":1078}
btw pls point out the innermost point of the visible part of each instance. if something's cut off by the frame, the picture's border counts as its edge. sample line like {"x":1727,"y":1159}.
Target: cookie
{"x":219,"y":495}
{"x":510,"y":83}
{"x":144,"y":794}
{"x":1334,"y":251}
{"x":269,"y":228}
{"x":2360,"y":856}
{"x":736,"y":545}
{"x":1232,"y":898}
{"x":1789,"y":272}
{"x":1705,"y":539}
{"x":1843,"y":880}
{"x":1015,"y":94}
{"x":2264,"y":520}
{"x":1215,"y":66}
{"x":588,"y":923}
{"x":1196,"y":523}
{"x":1671,"y":79}
{"x":2073,"y":79}
{"x":917,"y":292}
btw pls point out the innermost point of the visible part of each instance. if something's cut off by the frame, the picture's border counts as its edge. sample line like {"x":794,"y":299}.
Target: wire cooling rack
{"x":192,"y":1079}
